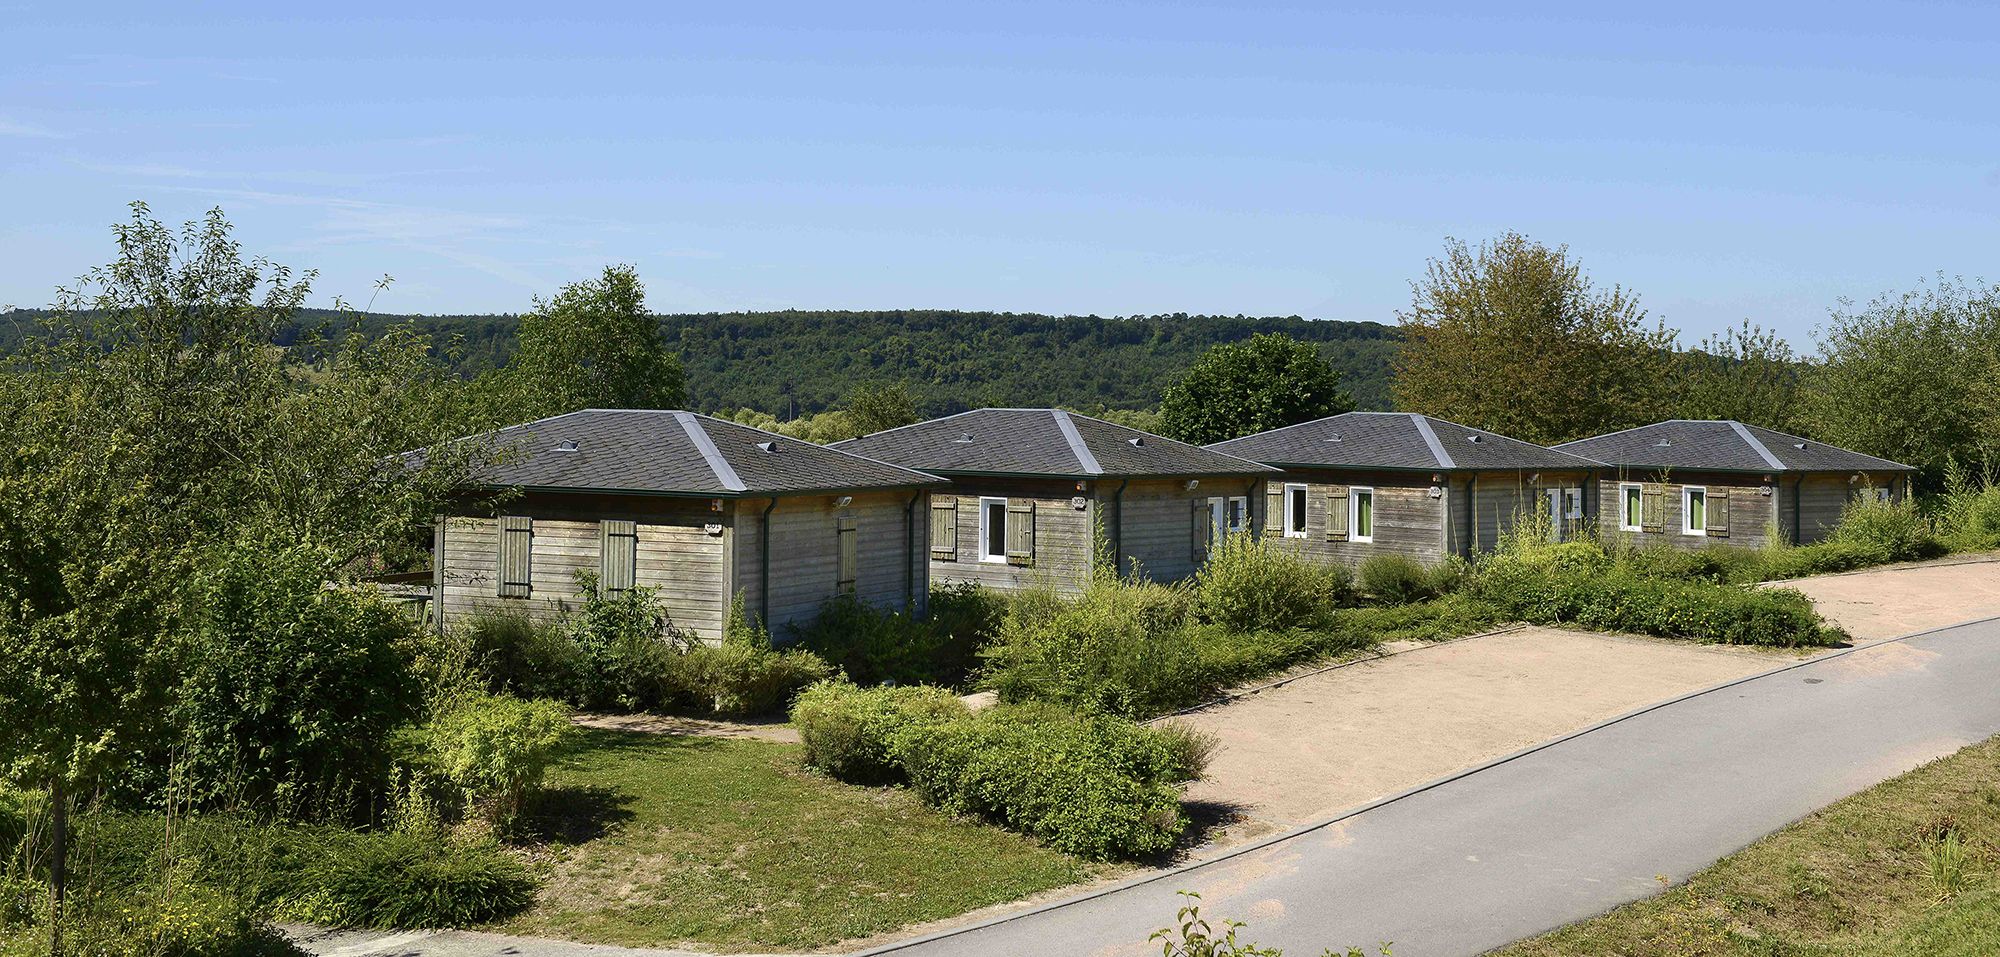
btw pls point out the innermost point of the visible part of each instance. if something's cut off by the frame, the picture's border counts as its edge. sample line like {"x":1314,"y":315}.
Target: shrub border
{"x":1308,"y":828}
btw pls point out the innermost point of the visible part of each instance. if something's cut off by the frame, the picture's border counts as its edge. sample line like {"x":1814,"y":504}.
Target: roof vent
{"x":963,"y":437}
{"x":1801,"y":446}
{"x":566,"y":445}
{"x":1664,"y":444}
{"x":1137,"y":440}
{"x":1335,"y":437}
{"x":768,"y":446}
{"x":1475,"y":438}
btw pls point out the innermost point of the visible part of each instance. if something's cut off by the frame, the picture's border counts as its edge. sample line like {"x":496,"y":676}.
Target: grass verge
{"x":652,"y":840}
{"x":1905,"y":867}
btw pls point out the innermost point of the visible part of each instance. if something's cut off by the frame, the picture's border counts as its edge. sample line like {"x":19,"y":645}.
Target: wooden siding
{"x":1500,"y":499}
{"x":1823,"y":495}
{"x":1407,"y":520}
{"x":1158,"y":527}
{"x":675,"y":552}
{"x":1062,"y":551}
{"x":1754,"y":511}
{"x":805,"y":557}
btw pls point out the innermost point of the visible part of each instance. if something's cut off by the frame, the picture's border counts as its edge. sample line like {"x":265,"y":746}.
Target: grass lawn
{"x":655,"y":840}
{"x":1855,"y":880}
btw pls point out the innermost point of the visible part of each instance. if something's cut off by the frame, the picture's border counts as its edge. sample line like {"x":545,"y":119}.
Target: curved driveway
{"x":1565,"y":830}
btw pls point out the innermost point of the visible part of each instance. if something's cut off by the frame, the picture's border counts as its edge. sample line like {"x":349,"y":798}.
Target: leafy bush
{"x":189,"y":922}
{"x":408,"y":881}
{"x":1890,"y":531}
{"x":515,"y":655}
{"x":1120,"y":646}
{"x":626,"y":647}
{"x":1395,"y":579}
{"x":493,"y":750}
{"x":1251,"y":584}
{"x":1711,"y":563}
{"x":745,"y":675}
{"x":847,"y":729}
{"x":1968,"y":514}
{"x":873,"y":645}
{"x":289,"y":690}
{"x":18,"y":812}
{"x":1571,"y":589}
{"x":1095,"y":786}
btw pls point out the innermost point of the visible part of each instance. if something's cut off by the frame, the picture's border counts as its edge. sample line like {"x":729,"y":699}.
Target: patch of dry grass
{"x":1875,"y":874}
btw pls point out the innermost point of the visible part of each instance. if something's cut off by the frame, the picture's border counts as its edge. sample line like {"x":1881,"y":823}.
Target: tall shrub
{"x":1252,"y":584}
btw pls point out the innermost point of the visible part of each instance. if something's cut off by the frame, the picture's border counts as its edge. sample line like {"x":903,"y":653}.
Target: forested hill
{"x":805,"y":362}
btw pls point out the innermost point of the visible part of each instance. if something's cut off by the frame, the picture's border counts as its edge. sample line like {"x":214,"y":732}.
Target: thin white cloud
{"x":29,"y":131}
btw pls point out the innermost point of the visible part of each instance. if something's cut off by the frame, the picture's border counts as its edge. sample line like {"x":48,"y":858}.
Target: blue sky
{"x":1742,"y":161}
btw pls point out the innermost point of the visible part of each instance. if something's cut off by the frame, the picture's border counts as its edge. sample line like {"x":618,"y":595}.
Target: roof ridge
{"x":1430,"y":438}
{"x":724,"y":472}
{"x":900,"y":428}
{"x":1076,"y":444}
{"x":1756,"y":444}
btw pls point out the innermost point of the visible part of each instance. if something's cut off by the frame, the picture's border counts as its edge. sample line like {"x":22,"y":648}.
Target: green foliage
{"x":874,"y":408}
{"x":872,"y":645}
{"x":1886,"y":531}
{"x":1968,"y":514}
{"x":847,"y":729}
{"x":1913,"y":377}
{"x":189,"y":922}
{"x":626,"y":649}
{"x":492,"y":750}
{"x":1237,"y":389}
{"x":408,"y":880}
{"x":1746,"y":373}
{"x":593,"y":346}
{"x":1396,"y":579}
{"x":512,"y":654}
{"x":1577,"y":583}
{"x":1253,"y":584}
{"x":1594,"y":365}
{"x":748,"y":680}
{"x":1192,"y":936}
{"x":1095,"y":786}
{"x":288,"y":689}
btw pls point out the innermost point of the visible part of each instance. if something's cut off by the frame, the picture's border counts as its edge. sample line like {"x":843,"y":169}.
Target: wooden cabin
{"x":1042,"y":496}
{"x":1690,"y":483}
{"x":701,"y":509}
{"x":1362,"y":484}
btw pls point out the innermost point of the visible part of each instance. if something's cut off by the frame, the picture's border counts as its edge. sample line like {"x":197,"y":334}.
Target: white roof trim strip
{"x":1083,"y":456}
{"x":706,"y":446}
{"x":1752,"y":440}
{"x":1431,"y":439}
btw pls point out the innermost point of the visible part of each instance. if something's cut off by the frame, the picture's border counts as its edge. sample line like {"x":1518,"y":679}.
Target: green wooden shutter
{"x":1718,"y":513}
{"x":618,"y":548}
{"x":1336,"y":514}
{"x":1201,"y":528}
{"x":944,"y":528}
{"x":1653,"y":507}
{"x":847,"y":533}
{"x":1274,"y":509}
{"x":1021,"y":532}
{"x":514,"y":569}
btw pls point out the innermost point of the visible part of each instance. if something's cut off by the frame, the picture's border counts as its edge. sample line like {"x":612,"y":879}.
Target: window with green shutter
{"x":944,"y":528}
{"x":513,"y":566}
{"x":618,"y":546}
{"x":1021,"y":532}
{"x":847,"y":535}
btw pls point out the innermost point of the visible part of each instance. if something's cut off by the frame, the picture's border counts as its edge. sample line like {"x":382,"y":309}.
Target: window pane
{"x":996,"y":528}
{"x":1631,"y":506}
{"x":1298,"y":509}
{"x":1364,"y":514}
{"x":1697,"y":510}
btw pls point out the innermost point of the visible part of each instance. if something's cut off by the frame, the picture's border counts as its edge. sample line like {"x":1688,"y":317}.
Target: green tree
{"x":593,"y":345}
{"x":1512,"y":337}
{"x":1911,"y":376}
{"x":154,"y":421}
{"x":874,"y":408}
{"x":1235,"y":389}
{"x":1746,"y":373}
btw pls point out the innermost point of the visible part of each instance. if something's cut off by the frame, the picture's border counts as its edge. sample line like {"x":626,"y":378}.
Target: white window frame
{"x":986,"y":503}
{"x":1687,"y":513}
{"x":1630,"y":519}
{"x":1354,"y":493}
{"x":1236,"y":513}
{"x":1291,"y":512}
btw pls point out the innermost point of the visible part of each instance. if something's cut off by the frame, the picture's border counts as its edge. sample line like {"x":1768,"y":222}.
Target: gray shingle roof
{"x":1048,"y":442}
{"x":1395,"y":440}
{"x":1723,"y":445}
{"x":666,"y":452}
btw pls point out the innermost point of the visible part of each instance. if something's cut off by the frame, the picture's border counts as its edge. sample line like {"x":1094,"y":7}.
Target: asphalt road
{"x":1564,"y":831}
